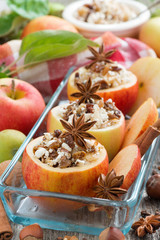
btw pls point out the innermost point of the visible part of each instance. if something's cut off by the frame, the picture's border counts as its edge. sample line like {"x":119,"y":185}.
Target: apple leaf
{"x":3,"y":75}
{"x":8,"y":23}
{"x":29,"y":8}
{"x":50,"y":44}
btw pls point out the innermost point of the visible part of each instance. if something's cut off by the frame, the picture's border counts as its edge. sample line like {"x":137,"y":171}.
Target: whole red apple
{"x":21,"y":104}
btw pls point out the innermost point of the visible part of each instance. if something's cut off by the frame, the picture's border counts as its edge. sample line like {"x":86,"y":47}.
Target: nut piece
{"x":33,"y":231}
{"x":111,"y":233}
{"x":153,"y":186}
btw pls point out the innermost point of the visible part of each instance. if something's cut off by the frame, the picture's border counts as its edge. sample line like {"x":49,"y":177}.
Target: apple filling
{"x":59,"y":150}
{"x":105,"y":12}
{"x":107,"y":75}
{"x":104,"y":113}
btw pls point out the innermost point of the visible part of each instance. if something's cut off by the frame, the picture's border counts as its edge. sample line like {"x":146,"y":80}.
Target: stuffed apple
{"x":115,"y":81}
{"x":109,"y":128}
{"x":65,"y":162}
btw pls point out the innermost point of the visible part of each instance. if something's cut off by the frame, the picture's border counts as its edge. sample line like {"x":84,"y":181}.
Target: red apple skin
{"x":21,"y":113}
{"x":128,"y":163}
{"x":124,"y":98}
{"x":47,"y":22}
{"x":75,"y":180}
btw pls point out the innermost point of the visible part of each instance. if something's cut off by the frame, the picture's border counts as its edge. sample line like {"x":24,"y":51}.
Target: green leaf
{"x":49,"y":44}
{"x":3,"y":75}
{"x":29,"y":8}
{"x":50,"y":51}
{"x":50,"y":37}
{"x":8,"y":23}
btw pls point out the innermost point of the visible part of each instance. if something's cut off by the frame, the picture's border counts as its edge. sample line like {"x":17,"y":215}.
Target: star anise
{"x":77,"y":130}
{"x":87,"y":92}
{"x":109,"y":186}
{"x":99,"y":56}
{"x":146,"y":225}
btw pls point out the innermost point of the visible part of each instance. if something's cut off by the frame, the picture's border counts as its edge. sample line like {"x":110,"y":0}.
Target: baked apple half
{"x":109,"y":128}
{"x":115,"y":81}
{"x":65,"y":162}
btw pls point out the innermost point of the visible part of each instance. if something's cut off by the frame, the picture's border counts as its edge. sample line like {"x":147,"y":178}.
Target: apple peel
{"x":77,"y":180}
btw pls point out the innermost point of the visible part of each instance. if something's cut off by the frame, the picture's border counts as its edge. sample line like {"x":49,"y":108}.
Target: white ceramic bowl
{"x":124,"y":29}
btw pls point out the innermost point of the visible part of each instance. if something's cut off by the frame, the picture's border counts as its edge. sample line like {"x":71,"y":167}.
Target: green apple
{"x":150,"y":34}
{"x":10,"y":141}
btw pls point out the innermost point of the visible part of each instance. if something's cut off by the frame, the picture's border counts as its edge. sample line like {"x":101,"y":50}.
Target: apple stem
{"x":10,"y":65}
{"x":13,"y":89}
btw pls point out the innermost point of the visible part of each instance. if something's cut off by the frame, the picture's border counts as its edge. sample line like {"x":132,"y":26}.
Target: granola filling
{"x":58,"y":151}
{"x":108,"y":75}
{"x":105,"y":12}
{"x":104,"y":113}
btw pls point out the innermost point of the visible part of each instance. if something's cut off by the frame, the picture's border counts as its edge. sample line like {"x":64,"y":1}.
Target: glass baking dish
{"x":24,"y":206}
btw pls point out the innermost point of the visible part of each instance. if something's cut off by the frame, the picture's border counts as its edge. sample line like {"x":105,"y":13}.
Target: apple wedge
{"x":110,"y":137}
{"x":146,"y":115}
{"x":128,"y":163}
{"x":147,"y":71}
{"x":78,"y":180}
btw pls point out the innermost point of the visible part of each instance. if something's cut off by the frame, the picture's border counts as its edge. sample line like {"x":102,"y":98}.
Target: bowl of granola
{"x":95,"y":17}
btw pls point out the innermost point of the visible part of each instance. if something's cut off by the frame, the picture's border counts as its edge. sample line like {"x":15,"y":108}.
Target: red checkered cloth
{"x":47,"y":76}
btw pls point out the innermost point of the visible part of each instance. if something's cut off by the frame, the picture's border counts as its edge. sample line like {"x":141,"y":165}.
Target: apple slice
{"x":146,"y":115}
{"x":128,"y":163}
{"x":110,"y":137}
{"x":123,"y":95}
{"x":78,"y":180}
{"x":147,"y":71}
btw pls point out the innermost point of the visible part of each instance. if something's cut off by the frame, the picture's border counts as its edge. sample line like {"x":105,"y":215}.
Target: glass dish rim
{"x":131,"y":201}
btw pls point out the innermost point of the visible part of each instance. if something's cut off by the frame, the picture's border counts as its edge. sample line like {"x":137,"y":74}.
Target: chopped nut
{"x":89,"y":108}
{"x":57,"y":133}
{"x":69,"y":141}
{"x":64,"y":162}
{"x":56,"y":144}
{"x":79,"y":155}
{"x":104,"y":84}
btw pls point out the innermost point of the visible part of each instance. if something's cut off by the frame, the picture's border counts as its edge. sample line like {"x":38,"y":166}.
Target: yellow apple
{"x":150,"y":34}
{"x":110,"y":137}
{"x":147,"y":71}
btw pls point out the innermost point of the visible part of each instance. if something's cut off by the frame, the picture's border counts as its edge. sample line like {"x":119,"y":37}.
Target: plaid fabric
{"x":47,"y":76}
